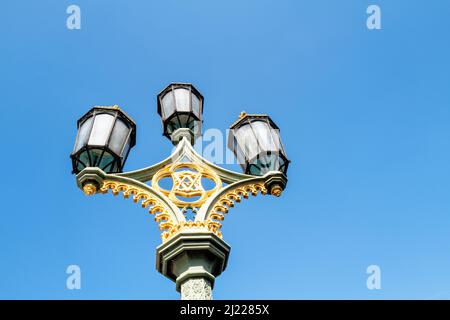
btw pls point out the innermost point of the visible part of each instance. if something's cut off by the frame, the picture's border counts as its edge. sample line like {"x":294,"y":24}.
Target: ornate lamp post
{"x":192,"y":253}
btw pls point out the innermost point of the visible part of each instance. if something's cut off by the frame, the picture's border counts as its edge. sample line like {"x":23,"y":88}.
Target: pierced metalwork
{"x":187,"y":183}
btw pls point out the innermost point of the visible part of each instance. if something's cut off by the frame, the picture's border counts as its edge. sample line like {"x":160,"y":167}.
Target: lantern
{"x":180,"y":105}
{"x":105,"y":137}
{"x":255,"y":141}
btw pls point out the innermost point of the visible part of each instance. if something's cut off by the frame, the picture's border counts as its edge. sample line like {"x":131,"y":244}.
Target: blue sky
{"x":364,"y":116}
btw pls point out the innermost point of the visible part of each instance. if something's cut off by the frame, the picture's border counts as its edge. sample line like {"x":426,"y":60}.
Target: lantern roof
{"x":243,"y":117}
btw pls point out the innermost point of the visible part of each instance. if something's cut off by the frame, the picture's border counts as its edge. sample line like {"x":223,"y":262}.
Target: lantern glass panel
{"x":83,"y":161}
{"x":168,"y":105}
{"x":95,"y":155}
{"x":101,"y":129}
{"x":118,"y":136}
{"x":266,"y":136}
{"x":182,"y":96}
{"x":182,"y":121}
{"x":196,"y":105}
{"x":83,"y":134}
{"x":240,"y":157}
{"x":276,"y":138}
{"x":125,"y":150}
{"x":103,"y":159}
{"x":247,"y":141}
{"x":267,"y":162}
{"x":173,"y":125}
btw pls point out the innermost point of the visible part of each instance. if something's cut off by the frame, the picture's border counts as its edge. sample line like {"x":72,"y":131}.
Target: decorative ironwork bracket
{"x":187,"y":169}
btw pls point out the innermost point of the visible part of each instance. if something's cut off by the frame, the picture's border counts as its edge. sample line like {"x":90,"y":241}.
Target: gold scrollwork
{"x":162,"y":216}
{"x":208,"y":225}
{"x":186,"y":183}
{"x":156,"y":207}
{"x":225,"y":202}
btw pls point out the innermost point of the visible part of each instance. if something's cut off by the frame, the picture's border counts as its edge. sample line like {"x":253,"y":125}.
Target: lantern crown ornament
{"x":180,"y":106}
{"x":188,"y":195}
{"x":105,"y":136}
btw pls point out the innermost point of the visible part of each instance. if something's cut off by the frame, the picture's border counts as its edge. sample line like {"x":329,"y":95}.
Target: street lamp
{"x":193,"y":252}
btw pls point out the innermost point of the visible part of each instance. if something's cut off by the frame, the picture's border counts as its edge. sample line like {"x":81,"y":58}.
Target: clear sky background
{"x":364,"y":116}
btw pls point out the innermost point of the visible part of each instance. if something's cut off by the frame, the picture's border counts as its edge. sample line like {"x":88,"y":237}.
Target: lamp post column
{"x":193,"y":259}
{"x":196,"y":289}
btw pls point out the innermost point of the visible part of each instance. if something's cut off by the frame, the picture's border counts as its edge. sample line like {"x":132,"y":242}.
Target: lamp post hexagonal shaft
{"x":192,"y":253}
